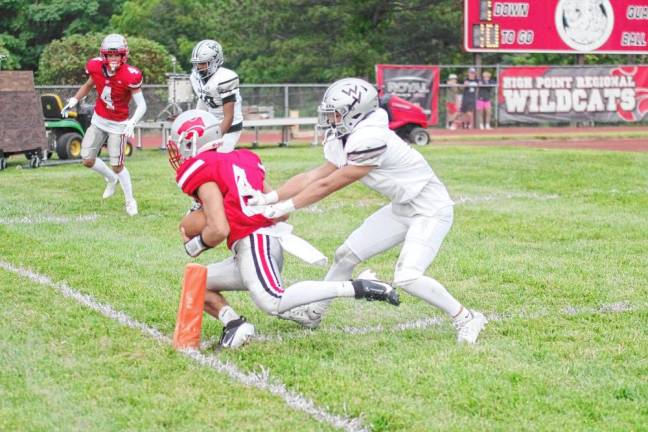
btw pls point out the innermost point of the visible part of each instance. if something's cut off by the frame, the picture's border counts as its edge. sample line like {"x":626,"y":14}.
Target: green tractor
{"x":64,"y":135}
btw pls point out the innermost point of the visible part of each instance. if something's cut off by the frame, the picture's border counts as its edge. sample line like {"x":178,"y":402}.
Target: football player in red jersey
{"x":116,"y":83}
{"x":221,"y":182}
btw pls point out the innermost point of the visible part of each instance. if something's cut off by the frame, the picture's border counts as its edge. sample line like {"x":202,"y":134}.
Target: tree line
{"x":265,"y":41}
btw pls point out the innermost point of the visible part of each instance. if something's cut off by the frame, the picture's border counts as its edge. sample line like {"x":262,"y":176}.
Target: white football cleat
{"x":236,"y":333}
{"x":110,"y":188}
{"x":131,"y":207}
{"x":468,"y":329}
{"x":303,"y":315}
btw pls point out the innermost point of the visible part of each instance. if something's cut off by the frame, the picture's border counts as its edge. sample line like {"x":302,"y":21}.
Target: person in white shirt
{"x":360,"y":147}
{"x":217,"y":90}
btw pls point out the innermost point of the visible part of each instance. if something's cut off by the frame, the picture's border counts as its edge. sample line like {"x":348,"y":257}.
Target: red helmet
{"x":192,"y":132}
{"x":114,"y":44}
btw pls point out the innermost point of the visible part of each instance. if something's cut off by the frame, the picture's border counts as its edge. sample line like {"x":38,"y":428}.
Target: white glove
{"x":71,"y":103}
{"x":196,"y":246}
{"x":258,"y":198}
{"x":129,"y":130}
{"x":279,"y":209}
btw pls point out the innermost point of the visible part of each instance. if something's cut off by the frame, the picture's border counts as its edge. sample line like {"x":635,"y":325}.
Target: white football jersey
{"x":401,"y":172}
{"x":223,"y":84}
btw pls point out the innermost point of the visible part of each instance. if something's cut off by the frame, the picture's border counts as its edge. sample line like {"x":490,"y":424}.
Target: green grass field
{"x":551,"y":244}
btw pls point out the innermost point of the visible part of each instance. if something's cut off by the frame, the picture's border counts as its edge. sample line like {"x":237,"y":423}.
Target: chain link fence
{"x":301,"y":100}
{"x":259,"y":101}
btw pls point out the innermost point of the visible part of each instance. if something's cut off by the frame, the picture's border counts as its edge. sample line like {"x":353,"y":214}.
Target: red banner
{"x":568,"y":26}
{"x":418,"y":84}
{"x":564,"y":94}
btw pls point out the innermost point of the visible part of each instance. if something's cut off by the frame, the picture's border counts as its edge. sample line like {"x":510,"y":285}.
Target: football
{"x":193,"y":223}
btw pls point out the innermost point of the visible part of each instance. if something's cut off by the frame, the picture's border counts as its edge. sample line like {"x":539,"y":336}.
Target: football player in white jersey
{"x":360,"y":146}
{"x":217,"y":90}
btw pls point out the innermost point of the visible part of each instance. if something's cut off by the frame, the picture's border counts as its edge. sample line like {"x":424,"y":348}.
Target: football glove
{"x":258,"y":198}
{"x":129,"y":130}
{"x":279,"y":209}
{"x":196,"y":246}
{"x":71,"y":103}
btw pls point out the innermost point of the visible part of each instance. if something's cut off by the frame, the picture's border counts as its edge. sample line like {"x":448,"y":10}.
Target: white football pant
{"x":421,"y":237}
{"x":256,"y":267}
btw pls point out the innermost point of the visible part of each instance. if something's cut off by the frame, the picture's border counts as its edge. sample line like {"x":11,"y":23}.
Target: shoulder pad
{"x":364,"y":148}
{"x":135,"y":76}
{"x":228,"y":81}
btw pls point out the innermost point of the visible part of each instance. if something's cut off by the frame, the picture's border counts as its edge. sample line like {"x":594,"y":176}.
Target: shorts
{"x":483,"y":104}
{"x":451,"y":108}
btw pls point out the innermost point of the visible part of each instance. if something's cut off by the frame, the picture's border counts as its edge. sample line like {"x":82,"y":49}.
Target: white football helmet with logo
{"x":345,"y":103}
{"x":114,"y":44}
{"x":192,"y":132}
{"x":210,"y":52}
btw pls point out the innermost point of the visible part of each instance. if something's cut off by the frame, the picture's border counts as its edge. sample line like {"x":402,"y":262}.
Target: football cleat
{"x":110,"y":188}
{"x":468,"y":329}
{"x":375,"y":290}
{"x":131,"y":207}
{"x":236,"y":333}
{"x":303,"y":315}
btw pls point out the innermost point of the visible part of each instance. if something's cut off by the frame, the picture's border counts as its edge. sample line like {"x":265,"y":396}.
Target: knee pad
{"x":344,"y":262}
{"x":344,"y":255}
{"x":404,"y":277}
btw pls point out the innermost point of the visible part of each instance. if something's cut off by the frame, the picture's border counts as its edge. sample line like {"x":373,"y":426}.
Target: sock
{"x":125,"y":182}
{"x":463,"y":315}
{"x":227,"y":314}
{"x":307,"y":292}
{"x":431,"y":291}
{"x":101,"y":167}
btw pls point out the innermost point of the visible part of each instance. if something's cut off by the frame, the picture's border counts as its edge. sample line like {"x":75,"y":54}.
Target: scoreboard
{"x":563,"y":26}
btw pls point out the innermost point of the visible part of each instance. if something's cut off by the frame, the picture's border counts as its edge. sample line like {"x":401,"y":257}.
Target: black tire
{"x":419,"y":136}
{"x":35,"y":162}
{"x":68,"y":146}
{"x":3,"y":163}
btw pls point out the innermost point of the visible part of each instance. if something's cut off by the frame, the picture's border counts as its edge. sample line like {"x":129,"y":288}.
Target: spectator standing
{"x":469,"y":98}
{"x":484,"y":98}
{"x":453,"y":101}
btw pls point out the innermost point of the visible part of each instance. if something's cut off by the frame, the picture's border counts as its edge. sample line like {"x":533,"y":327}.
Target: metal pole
{"x":496,"y":107}
{"x":287,"y":108}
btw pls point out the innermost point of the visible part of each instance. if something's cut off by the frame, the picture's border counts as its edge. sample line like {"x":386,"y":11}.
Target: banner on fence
{"x":418,"y":84}
{"x":562,"y":94}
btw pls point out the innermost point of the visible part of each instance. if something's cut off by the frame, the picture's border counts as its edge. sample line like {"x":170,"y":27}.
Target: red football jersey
{"x":113,"y":92}
{"x":234,"y":173}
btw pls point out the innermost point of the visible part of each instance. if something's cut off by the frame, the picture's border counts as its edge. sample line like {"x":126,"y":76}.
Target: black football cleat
{"x":236,"y":333}
{"x":375,"y":290}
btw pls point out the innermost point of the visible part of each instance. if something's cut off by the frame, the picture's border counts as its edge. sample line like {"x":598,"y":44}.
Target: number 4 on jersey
{"x":107,"y":97}
{"x":245,"y":189}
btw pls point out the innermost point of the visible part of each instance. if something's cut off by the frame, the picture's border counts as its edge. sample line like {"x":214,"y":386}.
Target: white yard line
{"x":262,"y":381}
{"x":424,"y":323}
{"x":34,"y":220}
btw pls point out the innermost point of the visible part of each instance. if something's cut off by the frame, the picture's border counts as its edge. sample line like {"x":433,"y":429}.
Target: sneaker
{"x":236,"y":333}
{"x":304,"y":315}
{"x":375,"y":290}
{"x":131,"y":207}
{"x":110,"y":188}
{"x":468,"y":329}
{"x":488,"y":126}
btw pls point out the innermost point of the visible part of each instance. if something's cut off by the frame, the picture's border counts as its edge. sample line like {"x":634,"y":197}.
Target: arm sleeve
{"x":141,"y":107}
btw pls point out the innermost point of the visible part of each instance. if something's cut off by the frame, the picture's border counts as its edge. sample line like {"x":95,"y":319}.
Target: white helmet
{"x":114,"y":44}
{"x":210,"y":52}
{"x":192,"y":132}
{"x":345,"y":103}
